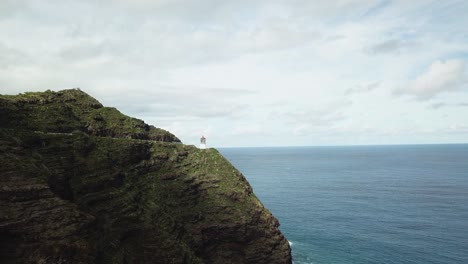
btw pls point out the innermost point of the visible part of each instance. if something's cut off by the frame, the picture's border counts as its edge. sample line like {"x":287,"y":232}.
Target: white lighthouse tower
{"x":203,"y":142}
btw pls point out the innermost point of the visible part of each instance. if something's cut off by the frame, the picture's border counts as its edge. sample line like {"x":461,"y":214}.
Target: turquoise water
{"x":365,"y":204}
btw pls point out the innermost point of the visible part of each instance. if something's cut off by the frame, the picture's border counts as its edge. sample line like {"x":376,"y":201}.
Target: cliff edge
{"x":83,"y":183}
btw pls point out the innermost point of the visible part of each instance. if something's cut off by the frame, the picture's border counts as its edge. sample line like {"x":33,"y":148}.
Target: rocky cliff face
{"x":82,"y":183}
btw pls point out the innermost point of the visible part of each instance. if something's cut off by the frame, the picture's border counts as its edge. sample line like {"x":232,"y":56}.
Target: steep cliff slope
{"x":81,"y":183}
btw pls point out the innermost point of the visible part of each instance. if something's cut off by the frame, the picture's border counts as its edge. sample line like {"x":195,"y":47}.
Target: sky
{"x":253,"y":73}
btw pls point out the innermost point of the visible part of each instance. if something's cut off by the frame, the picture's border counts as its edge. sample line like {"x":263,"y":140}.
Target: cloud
{"x":458,"y":128}
{"x":83,"y":51}
{"x":248,"y":130}
{"x":11,"y":57}
{"x":442,"y":76}
{"x":224,"y":66}
{"x":175,"y":103}
{"x":385,"y":47}
{"x":363,"y":88}
{"x":378,"y":7}
{"x":311,"y":120}
{"x":437,"y":105}
{"x":390,"y":46}
{"x":440,"y":105}
{"x":10,"y":8}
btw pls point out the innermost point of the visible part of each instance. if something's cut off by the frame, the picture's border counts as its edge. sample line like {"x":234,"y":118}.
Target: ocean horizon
{"x":339,"y":145}
{"x":364,"y":203}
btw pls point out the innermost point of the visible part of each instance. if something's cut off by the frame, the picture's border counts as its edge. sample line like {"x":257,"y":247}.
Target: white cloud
{"x":10,"y":57}
{"x":390,"y":46}
{"x":363,"y":88}
{"x":442,"y":76}
{"x":248,"y":130}
{"x":221,"y":67}
{"x":441,"y":105}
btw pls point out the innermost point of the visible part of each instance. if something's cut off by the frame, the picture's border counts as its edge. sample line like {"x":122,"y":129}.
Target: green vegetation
{"x":71,"y":194}
{"x":70,"y":111}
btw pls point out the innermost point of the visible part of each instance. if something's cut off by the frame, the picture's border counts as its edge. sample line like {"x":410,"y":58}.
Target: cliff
{"x":83,"y":183}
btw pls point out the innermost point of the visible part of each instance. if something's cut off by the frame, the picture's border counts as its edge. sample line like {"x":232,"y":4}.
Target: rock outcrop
{"x":83,"y":183}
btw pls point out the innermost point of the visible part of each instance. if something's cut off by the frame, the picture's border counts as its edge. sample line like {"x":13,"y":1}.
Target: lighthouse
{"x":203,"y":142}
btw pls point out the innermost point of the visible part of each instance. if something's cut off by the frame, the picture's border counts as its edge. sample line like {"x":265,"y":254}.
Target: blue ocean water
{"x":365,"y":204}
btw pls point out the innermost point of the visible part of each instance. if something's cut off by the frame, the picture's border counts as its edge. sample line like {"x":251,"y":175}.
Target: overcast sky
{"x":253,"y":72}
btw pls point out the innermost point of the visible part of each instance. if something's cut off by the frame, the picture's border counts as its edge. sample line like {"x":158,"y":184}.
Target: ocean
{"x":364,"y":204}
